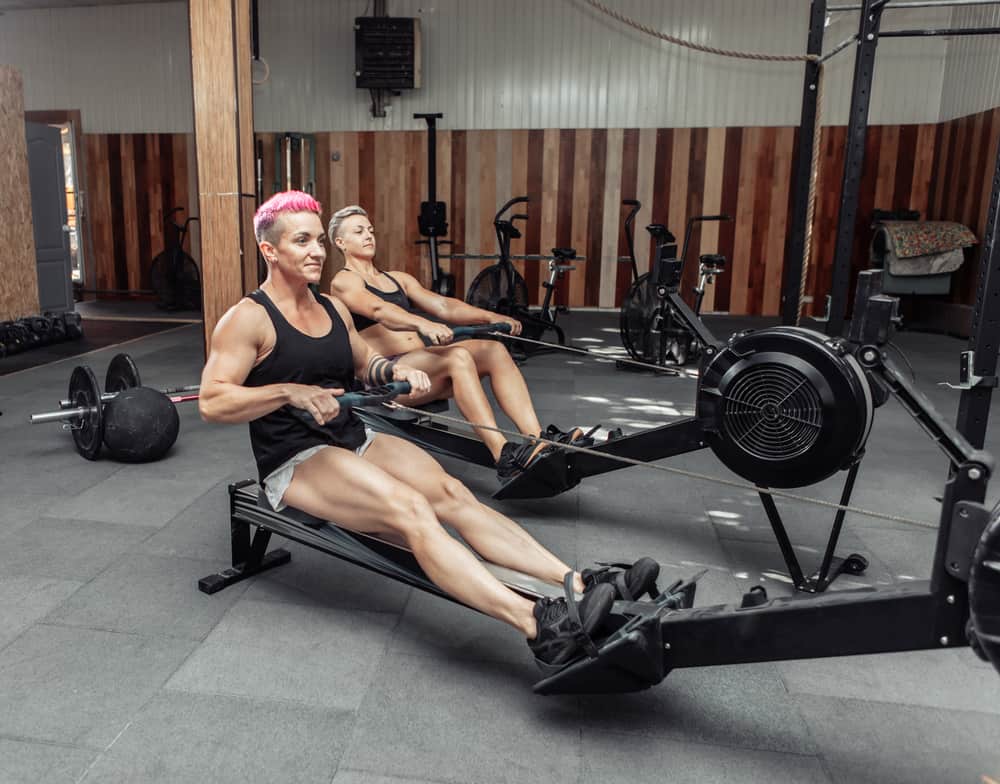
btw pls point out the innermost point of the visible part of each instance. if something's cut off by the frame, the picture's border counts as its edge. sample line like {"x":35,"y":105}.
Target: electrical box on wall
{"x":387,"y":52}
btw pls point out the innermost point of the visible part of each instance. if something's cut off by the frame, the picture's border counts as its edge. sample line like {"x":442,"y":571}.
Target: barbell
{"x":136,"y":423}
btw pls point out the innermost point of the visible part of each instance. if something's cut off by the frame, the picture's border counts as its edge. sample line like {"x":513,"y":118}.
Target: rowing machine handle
{"x":372,"y":396}
{"x":480,"y":329}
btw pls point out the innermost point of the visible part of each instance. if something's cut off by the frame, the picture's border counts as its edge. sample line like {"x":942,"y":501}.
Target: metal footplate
{"x":547,"y":476}
{"x":631,"y":658}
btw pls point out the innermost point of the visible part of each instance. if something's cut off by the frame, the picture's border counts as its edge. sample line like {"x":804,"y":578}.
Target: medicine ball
{"x":140,"y":425}
{"x":785,"y":406}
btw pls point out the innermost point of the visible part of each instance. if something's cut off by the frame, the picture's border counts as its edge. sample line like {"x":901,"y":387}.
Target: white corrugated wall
{"x":562,"y":64}
{"x":972,"y":75}
{"x":490,"y":64}
{"x":126,"y":67}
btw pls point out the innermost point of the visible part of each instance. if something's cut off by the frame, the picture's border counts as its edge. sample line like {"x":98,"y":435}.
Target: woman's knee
{"x":460,"y":361}
{"x":493,"y":357}
{"x":452,"y":493}
{"x":410,"y":514}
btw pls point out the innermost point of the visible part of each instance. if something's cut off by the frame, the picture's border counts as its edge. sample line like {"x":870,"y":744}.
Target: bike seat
{"x":660,"y":232}
{"x":714,"y":260}
{"x":564,"y":254}
{"x":509,"y":229}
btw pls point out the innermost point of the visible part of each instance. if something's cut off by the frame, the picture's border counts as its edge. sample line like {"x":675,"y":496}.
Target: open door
{"x":48,"y":210}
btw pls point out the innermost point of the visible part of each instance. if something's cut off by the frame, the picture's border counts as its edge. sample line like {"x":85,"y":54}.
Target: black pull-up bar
{"x":915,"y":4}
{"x":948,"y":32}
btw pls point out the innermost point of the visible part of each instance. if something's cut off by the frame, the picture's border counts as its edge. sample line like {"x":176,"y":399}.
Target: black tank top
{"x":301,"y":359}
{"x":397,"y":297}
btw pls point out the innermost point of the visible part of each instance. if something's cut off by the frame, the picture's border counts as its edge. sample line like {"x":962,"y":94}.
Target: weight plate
{"x":122,"y":374}
{"x":88,"y":429}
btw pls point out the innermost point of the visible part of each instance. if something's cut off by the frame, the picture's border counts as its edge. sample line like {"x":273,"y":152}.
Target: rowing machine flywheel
{"x":984,"y":592}
{"x":784,"y":406}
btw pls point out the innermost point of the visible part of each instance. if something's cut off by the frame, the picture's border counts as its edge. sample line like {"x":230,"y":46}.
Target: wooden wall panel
{"x":19,"y":282}
{"x":576,"y":180}
{"x":132,"y":182}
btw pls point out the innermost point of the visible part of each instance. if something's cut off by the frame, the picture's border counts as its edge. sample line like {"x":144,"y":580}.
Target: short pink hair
{"x":287,"y":201}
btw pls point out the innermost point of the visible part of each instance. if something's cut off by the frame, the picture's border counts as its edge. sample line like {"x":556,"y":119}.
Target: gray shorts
{"x":276,"y":482}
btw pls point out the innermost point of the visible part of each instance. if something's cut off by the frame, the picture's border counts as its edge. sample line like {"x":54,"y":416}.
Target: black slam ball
{"x":140,"y":425}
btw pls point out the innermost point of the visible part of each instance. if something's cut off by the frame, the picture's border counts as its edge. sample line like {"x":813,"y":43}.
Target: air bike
{"x":656,"y":325}
{"x":787,"y":398}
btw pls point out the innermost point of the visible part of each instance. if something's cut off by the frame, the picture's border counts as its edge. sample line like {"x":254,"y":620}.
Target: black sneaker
{"x":561,"y":635}
{"x":514,"y":458}
{"x":630,"y":581}
{"x":575,"y":437}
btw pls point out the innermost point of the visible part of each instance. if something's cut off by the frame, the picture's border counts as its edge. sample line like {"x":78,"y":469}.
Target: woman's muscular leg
{"x":509,"y":387}
{"x":368,"y":499}
{"x":497,"y":538}
{"x":453,"y":374}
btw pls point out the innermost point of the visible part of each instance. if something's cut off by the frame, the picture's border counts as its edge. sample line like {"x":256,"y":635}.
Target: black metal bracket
{"x":968,"y":521}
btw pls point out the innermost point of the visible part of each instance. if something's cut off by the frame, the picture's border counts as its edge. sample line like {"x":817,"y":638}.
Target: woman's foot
{"x":558,"y":640}
{"x":575,"y":436}
{"x":630,"y":582}
{"x":515,"y":458}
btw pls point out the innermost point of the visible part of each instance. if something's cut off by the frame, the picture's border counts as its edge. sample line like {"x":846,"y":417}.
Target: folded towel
{"x":922,"y":238}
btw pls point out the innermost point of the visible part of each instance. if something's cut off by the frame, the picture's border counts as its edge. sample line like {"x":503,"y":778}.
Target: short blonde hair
{"x":338,"y":218}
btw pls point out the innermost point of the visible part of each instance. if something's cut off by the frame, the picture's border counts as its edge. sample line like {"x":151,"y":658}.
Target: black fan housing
{"x":784,"y":406}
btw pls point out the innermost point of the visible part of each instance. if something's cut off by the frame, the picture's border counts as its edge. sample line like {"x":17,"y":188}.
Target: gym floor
{"x":115,"y":668}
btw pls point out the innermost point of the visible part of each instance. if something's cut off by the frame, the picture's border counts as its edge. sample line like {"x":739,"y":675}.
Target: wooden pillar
{"x":19,"y":281}
{"x":223,"y":129}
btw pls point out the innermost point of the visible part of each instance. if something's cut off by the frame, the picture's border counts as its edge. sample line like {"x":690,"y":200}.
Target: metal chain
{"x":667,"y":469}
{"x":793,"y":58}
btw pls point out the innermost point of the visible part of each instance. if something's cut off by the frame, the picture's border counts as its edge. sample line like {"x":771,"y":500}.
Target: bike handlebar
{"x":509,"y":204}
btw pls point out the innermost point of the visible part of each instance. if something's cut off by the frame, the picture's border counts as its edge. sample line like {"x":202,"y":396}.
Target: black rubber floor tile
{"x":141,"y":594}
{"x":192,"y":738}
{"x":871,"y":742}
{"x":932,"y":679}
{"x":27,"y":762}
{"x":66,"y":549}
{"x":643,"y":760}
{"x":325,"y":657}
{"x":80,"y":686}
{"x":743,"y":706}
{"x":458,"y":721}
{"x":28,"y":599}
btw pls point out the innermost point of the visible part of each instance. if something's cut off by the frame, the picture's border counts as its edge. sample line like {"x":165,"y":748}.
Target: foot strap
{"x":580,"y":636}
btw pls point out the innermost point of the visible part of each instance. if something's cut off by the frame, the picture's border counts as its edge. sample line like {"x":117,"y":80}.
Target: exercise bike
{"x":502,"y":289}
{"x":655,"y":324}
{"x":173,"y":273}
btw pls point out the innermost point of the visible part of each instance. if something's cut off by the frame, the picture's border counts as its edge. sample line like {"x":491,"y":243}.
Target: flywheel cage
{"x":491,"y":290}
{"x":773,"y":412}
